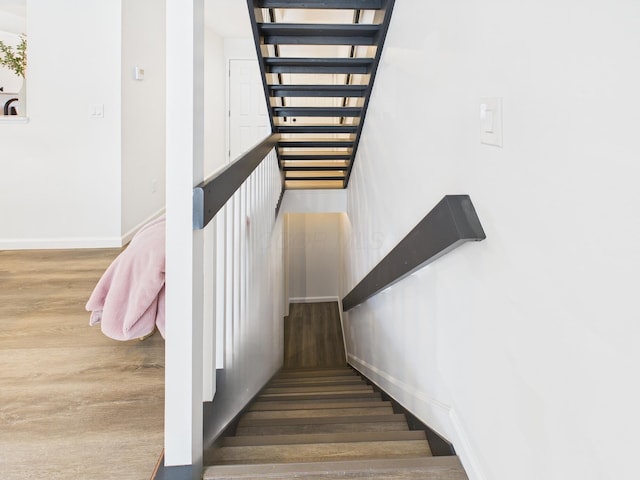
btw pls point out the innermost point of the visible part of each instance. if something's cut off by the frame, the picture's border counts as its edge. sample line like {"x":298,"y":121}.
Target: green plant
{"x":15,"y":58}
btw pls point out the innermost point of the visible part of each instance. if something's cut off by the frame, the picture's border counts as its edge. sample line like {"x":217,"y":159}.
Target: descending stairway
{"x":318,"y":60}
{"x":325,"y":423}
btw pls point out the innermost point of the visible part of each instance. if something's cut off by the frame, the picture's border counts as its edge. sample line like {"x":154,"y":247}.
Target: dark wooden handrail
{"x":452,"y":222}
{"x":211,"y":195}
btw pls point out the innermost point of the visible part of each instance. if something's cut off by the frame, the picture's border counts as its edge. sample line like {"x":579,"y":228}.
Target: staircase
{"x":318,"y":60}
{"x":323,"y":421}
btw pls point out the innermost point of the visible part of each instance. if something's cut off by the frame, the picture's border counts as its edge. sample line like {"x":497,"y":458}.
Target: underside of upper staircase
{"x":318,"y":60}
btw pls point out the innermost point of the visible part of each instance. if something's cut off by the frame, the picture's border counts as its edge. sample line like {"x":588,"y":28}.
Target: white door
{"x":248,"y":116}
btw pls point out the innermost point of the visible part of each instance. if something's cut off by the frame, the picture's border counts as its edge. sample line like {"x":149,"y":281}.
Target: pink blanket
{"x":128,"y":301}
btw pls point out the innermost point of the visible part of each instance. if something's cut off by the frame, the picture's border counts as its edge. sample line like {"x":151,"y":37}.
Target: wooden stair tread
{"x":327,"y":381}
{"x":341,"y":437}
{"x":317,"y":396}
{"x":395,"y":417}
{"x":399,"y":425}
{"x":432,"y":468}
{"x":320,"y":372}
{"x":375,"y":409}
{"x":341,"y":397}
{"x":307,"y":404}
{"x":326,"y":428}
{"x":318,"y":389}
{"x":318,"y":452}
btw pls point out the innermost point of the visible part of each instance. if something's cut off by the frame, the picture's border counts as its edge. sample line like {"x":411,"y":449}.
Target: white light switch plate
{"x":491,"y":121}
{"x":96,"y":111}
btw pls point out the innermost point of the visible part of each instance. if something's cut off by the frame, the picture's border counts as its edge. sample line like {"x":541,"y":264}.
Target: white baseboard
{"x":59,"y":243}
{"x":313,"y":299}
{"x":438,"y":416}
{"x":126,"y":237}
{"x":63,"y":243}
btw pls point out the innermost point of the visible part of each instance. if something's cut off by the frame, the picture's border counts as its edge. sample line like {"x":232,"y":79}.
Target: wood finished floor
{"x":313,"y":336}
{"x":74,"y":404}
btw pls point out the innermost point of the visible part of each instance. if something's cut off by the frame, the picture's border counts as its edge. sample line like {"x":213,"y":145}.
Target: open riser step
{"x":325,"y":423}
{"x":318,"y":59}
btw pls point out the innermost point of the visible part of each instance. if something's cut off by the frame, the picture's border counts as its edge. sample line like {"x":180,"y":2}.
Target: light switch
{"x":486,"y":116}
{"x":96,"y":111}
{"x":491,"y":121}
{"x":139,"y":73}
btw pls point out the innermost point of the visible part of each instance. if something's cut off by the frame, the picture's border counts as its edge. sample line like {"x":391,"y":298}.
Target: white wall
{"x":60,"y":172}
{"x":314,"y":201}
{"x":215,"y":117}
{"x":313,"y":256}
{"x":68,"y":180}
{"x":521,"y":349}
{"x":143,"y":112}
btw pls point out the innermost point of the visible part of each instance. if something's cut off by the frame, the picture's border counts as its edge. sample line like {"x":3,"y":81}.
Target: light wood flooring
{"x":74,"y":404}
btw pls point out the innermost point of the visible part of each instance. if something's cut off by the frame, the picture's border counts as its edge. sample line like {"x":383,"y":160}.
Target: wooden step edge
{"x":295,"y":373}
{"x":310,"y":405}
{"x":301,"y":439}
{"x":317,"y":452}
{"x":433,"y":468}
{"x":375,"y":409}
{"x":315,"y":396}
{"x":339,"y":386}
{"x":330,"y":382}
{"x":316,"y":378}
{"x":318,"y":389}
{"x":262,"y":422}
{"x":339,"y":368}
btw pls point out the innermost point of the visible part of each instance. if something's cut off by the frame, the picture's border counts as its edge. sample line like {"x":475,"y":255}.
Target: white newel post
{"x":185,"y":119}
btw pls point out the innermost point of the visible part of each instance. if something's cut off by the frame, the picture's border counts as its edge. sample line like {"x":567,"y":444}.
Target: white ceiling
{"x":228,"y":18}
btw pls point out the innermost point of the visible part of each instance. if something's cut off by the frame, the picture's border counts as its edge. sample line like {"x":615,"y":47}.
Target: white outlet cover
{"x":491,"y":121}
